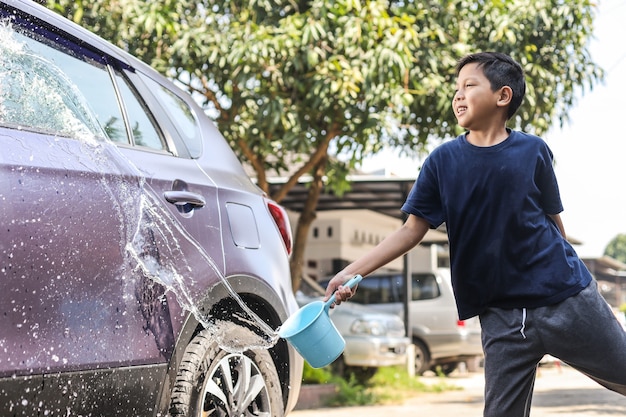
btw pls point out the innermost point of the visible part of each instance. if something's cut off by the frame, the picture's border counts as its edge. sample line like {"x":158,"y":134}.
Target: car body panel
{"x":65,"y":255}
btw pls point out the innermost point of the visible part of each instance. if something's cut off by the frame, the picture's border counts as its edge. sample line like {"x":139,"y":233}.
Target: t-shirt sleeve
{"x":546,"y":181}
{"x":424,"y":200}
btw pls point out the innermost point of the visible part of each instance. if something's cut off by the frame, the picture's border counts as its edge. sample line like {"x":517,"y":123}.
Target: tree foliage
{"x":312,"y":87}
{"x":616,"y":248}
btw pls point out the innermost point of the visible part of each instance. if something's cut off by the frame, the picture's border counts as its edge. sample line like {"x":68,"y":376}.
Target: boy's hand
{"x":342,"y":293}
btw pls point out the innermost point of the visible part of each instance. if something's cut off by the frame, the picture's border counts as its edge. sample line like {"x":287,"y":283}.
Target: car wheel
{"x":422,"y":358}
{"x":338,"y":367}
{"x":214,"y":382}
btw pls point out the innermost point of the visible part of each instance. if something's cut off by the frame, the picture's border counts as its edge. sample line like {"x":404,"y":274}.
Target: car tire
{"x":445,"y":368}
{"x":422,"y":358}
{"x":212,"y":381}
{"x":362,"y":374}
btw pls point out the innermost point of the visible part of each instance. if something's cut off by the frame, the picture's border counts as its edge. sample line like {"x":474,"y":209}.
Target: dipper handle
{"x":350,"y":284}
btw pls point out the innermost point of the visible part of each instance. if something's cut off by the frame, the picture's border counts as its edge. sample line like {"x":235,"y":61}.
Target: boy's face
{"x":474,"y":101}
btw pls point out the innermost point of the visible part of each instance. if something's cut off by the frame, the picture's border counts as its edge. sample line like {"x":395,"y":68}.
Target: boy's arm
{"x":398,"y":243}
{"x":559,"y":223}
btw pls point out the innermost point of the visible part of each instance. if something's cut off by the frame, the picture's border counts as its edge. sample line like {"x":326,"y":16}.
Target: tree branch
{"x":320,"y":152}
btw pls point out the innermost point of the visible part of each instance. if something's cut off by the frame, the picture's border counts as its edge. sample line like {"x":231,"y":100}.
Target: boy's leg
{"x":583,"y":332}
{"x":512,"y":352}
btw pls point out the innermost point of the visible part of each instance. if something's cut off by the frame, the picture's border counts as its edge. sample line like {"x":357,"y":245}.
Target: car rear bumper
{"x":372,"y":351}
{"x":455,"y":345}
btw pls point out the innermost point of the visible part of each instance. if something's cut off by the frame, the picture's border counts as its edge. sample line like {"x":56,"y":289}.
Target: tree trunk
{"x":307,"y":217}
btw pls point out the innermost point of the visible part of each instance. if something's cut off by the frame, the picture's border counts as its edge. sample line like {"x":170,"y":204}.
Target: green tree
{"x":616,"y":248}
{"x":312,"y":87}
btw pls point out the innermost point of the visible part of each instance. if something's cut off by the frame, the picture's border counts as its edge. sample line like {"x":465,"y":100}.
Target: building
{"x":338,"y":237}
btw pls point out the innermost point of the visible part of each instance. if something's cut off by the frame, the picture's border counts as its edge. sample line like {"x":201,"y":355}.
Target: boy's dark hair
{"x":500,"y":69}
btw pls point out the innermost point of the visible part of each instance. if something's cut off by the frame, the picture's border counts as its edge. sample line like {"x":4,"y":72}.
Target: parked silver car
{"x":441,"y":340}
{"x":373,"y":339}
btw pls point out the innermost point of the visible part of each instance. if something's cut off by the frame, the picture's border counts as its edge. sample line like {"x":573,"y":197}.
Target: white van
{"x":442,"y":341}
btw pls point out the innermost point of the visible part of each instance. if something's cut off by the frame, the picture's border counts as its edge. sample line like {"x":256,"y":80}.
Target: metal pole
{"x":408,"y":292}
{"x":410,"y":354}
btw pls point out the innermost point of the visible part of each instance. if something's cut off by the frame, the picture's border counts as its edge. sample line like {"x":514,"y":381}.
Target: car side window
{"x":425,"y":287}
{"x":68,"y":90}
{"x":141,"y":123}
{"x":375,"y":290}
{"x":389,"y":289}
{"x":180,"y":115}
{"x":37,"y":93}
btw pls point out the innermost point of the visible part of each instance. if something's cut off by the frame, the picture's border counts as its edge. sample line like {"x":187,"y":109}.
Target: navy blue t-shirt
{"x":504,"y":249}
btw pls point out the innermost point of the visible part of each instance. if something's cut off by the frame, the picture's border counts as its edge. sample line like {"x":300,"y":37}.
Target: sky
{"x":590,"y":150}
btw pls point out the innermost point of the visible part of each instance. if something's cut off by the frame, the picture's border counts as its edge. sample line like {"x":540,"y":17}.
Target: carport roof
{"x":368,"y":192}
{"x":380,"y":194}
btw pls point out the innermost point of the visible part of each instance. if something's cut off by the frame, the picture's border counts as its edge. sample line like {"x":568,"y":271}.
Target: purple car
{"x":142,"y":273}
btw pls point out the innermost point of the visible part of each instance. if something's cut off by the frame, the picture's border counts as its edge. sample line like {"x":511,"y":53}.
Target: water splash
{"x":153,"y":242}
{"x":161,"y":246}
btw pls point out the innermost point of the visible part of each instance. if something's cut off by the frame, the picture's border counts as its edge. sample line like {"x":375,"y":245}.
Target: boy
{"x":511,"y":265}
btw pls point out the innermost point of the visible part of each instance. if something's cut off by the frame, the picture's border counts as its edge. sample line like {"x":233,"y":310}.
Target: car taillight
{"x":282,"y":221}
{"x":460,"y":323}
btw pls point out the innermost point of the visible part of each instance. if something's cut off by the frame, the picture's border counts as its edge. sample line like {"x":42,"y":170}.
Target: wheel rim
{"x":420,"y":359}
{"x":235,"y":388}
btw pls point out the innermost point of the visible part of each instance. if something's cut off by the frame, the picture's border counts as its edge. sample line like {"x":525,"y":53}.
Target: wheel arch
{"x":219,"y":303}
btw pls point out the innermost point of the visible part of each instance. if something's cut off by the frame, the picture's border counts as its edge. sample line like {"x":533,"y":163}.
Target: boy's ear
{"x":505,"y":97}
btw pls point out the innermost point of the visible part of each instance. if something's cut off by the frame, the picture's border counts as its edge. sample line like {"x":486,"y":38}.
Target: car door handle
{"x":182,"y":198}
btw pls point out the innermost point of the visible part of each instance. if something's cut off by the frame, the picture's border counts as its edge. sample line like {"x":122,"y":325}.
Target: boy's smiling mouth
{"x":461,"y":109}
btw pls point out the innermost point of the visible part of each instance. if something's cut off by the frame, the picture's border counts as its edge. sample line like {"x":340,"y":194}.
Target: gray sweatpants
{"x":581,"y":331}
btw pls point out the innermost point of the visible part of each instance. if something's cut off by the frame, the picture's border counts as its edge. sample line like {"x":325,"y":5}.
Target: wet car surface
{"x":142,"y":272}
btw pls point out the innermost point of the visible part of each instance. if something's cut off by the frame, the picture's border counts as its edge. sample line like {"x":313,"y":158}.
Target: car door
{"x":179,"y":239}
